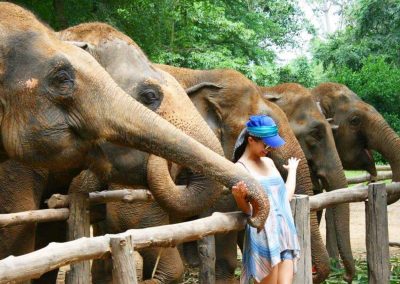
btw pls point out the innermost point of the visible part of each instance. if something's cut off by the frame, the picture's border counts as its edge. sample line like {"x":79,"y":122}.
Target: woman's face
{"x":258,"y":147}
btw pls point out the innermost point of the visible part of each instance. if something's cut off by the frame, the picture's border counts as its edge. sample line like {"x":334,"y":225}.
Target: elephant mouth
{"x":369,"y":161}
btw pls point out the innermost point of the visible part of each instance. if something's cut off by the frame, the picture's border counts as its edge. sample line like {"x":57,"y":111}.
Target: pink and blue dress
{"x":277,"y":241}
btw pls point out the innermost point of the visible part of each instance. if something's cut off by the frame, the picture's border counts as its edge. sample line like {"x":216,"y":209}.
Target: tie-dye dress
{"x":262,"y":251}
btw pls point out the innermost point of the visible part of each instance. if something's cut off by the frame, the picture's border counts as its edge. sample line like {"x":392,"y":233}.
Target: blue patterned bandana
{"x":263,"y":131}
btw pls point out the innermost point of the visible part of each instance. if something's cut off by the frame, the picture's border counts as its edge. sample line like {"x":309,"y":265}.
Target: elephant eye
{"x":61,"y":82}
{"x":150,"y":97}
{"x":355,"y":121}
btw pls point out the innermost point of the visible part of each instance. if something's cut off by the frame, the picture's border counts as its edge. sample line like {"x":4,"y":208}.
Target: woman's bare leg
{"x":285,"y":272}
{"x":272,"y":278}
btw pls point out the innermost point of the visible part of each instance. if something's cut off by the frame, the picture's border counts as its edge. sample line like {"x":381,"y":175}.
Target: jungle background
{"x":251,"y":36}
{"x":255,"y":38}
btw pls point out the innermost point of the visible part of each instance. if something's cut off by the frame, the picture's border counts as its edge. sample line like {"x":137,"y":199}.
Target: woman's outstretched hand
{"x":239,"y":192}
{"x":292,"y":164}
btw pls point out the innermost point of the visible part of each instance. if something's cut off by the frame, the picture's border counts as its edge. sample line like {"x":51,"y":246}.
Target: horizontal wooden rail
{"x":44,"y":215}
{"x":367,"y":177}
{"x":383,"y":167}
{"x":98,"y":197}
{"x":317,"y":202}
{"x":347,"y":195}
{"x":55,"y":255}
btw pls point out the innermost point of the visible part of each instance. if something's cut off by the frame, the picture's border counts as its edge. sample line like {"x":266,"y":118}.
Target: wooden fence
{"x":121,"y":246}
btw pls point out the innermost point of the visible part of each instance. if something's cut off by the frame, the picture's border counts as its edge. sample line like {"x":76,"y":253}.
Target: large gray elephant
{"x":360,"y":129}
{"x":226,"y":98}
{"x":315,"y":136}
{"x":67,"y":104}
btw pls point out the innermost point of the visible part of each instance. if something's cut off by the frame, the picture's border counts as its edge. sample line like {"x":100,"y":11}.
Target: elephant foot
{"x":320,"y":274}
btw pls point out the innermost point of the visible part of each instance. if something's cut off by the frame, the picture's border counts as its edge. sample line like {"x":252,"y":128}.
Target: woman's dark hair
{"x":241,"y":144}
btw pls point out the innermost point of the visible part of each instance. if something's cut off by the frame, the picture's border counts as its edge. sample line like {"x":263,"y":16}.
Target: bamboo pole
{"x":55,"y":255}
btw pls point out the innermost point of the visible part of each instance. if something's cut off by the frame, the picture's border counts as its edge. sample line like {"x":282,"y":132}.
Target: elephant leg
{"x":169,"y":268}
{"x":190,"y":254}
{"x":101,"y":268}
{"x":46,"y":233}
{"x":21,"y":190}
{"x":319,"y":253}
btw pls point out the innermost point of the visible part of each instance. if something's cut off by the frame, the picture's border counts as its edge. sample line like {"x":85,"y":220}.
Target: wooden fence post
{"x":301,"y":214}
{"x":122,"y":253}
{"x":377,"y":240}
{"x":206,"y":248}
{"x":78,"y":227}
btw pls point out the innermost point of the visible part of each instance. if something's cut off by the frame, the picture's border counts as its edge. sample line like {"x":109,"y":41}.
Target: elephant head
{"x":359,"y":129}
{"x":226,"y":98}
{"x":129,"y":67}
{"x":315,"y":136}
{"x":57,"y":102}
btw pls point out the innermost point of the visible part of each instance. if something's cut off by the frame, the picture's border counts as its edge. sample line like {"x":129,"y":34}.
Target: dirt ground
{"x":357,"y":228}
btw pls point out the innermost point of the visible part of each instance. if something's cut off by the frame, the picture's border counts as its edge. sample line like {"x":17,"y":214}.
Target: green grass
{"x":336,"y":276}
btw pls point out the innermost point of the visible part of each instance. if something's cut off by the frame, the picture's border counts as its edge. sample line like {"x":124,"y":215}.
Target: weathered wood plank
{"x":301,"y":215}
{"x":78,"y":227}
{"x":377,"y":240}
{"x":124,"y":268}
{"x":55,"y":255}
{"x":98,"y":197}
{"x":206,"y":248}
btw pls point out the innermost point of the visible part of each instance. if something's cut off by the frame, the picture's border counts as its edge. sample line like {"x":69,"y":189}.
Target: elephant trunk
{"x":199,"y":192}
{"x":121,"y":120}
{"x":304,"y":185}
{"x":383,"y":139}
{"x":334,"y":178}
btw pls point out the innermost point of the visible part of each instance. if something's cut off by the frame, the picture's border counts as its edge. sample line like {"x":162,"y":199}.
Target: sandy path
{"x":357,"y":228}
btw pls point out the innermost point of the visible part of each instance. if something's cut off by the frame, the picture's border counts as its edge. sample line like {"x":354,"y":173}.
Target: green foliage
{"x":336,"y":276}
{"x":299,"y":71}
{"x":196,"y":34}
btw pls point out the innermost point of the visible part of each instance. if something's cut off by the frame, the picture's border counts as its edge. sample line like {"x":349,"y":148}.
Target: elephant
{"x":358,"y":130}
{"x":315,"y":136}
{"x":226,"y":98}
{"x":70,"y":105}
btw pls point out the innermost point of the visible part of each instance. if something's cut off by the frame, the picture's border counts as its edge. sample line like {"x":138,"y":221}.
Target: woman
{"x":268,"y":256}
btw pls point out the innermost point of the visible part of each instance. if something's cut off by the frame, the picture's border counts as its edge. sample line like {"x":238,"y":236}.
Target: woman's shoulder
{"x":268,"y":161}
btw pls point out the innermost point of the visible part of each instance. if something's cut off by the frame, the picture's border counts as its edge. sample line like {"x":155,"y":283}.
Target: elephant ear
{"x":272,"y":97}
{"x":83,"y":45}
{"x":215,"y":115}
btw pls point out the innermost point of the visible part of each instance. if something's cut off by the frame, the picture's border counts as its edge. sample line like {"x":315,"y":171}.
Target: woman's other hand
{"x":292,"y":164}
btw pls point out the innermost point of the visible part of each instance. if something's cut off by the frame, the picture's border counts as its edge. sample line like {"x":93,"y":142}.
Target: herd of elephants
{"x":83,"y":109}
